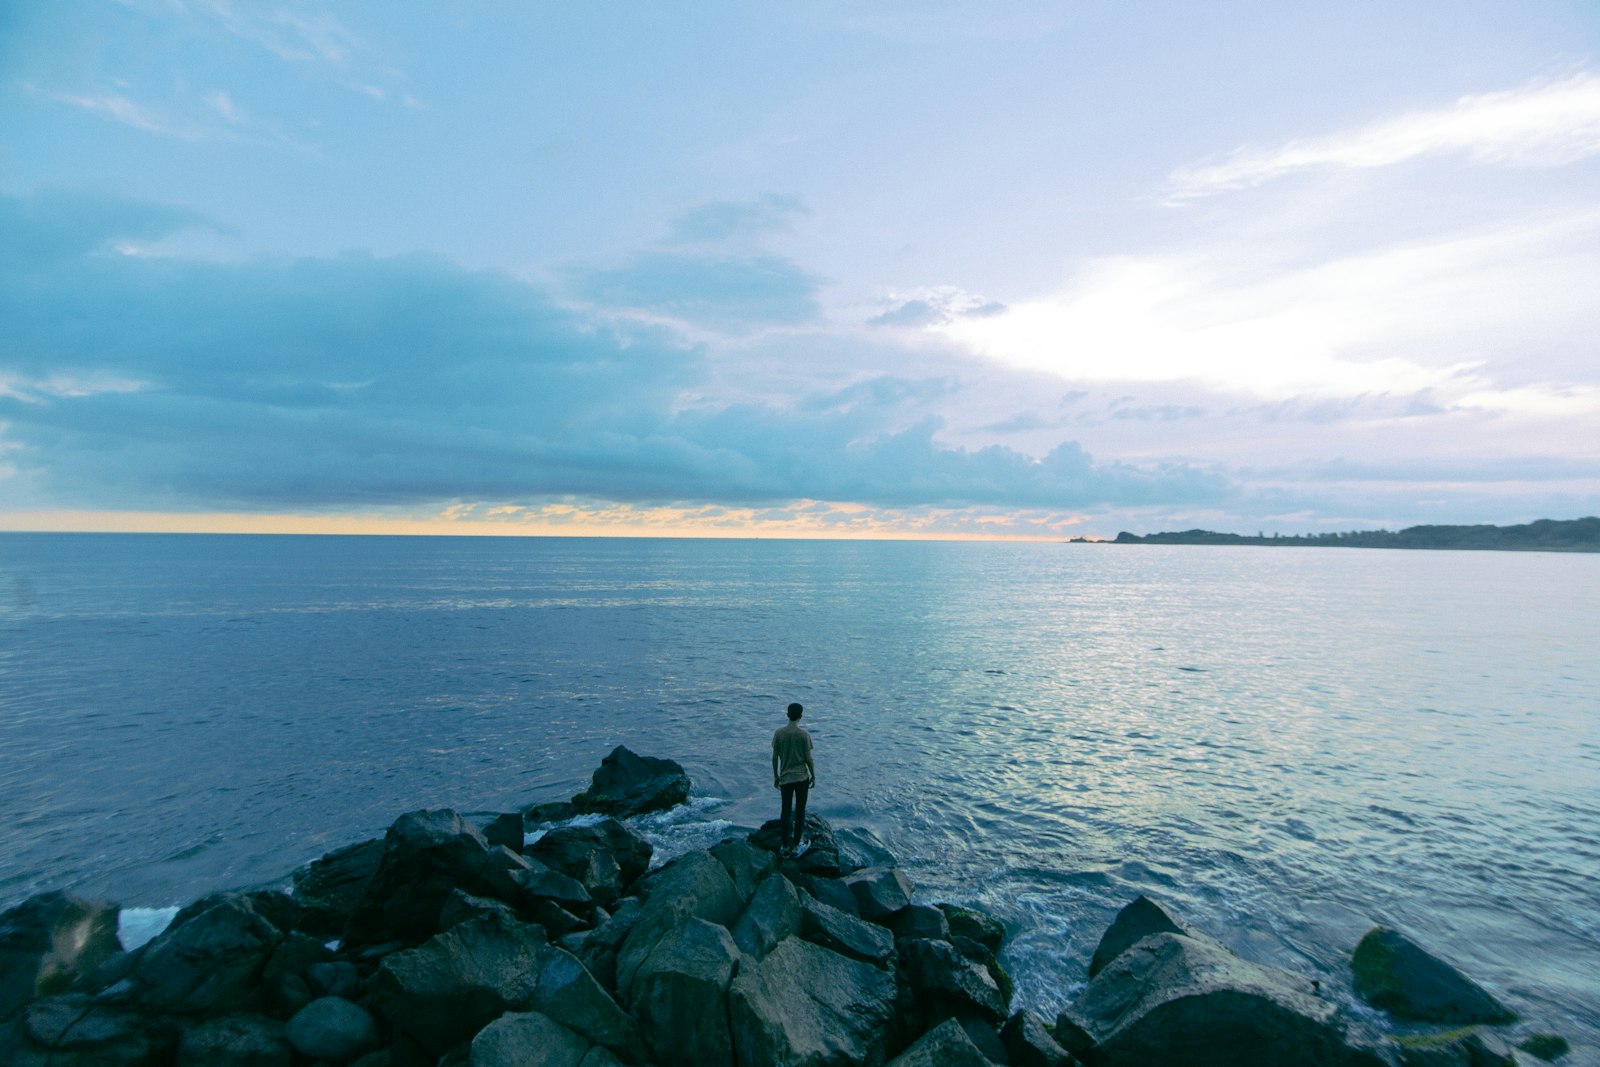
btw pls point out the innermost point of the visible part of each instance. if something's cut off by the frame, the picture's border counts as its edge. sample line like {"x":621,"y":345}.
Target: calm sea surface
{"x":1288,"y":745}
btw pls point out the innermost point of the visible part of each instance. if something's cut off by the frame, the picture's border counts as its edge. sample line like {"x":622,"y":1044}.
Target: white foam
{"x":139,"y":926}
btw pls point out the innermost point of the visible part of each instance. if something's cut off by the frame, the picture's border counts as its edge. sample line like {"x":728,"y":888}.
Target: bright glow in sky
{"x":798,"y":269}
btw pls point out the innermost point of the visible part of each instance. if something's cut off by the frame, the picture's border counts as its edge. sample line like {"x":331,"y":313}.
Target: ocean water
{"x":1286,"y":745}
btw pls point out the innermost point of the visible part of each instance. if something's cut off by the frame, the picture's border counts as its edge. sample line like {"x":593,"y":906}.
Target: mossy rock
{"x":1395,"y":974}
{"x":1437,"y":1039}
{"x":1547,"y":1047}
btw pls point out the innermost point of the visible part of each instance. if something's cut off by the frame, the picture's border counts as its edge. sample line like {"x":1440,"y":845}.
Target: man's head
{"x":795,"y":711}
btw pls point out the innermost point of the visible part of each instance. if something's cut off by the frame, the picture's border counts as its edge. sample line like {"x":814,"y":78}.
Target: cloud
{"x":1537,"y":125}
{"x":736,"y":220}
{"x":933,"y":307}
{"x":731,"y":292}
{"x":120,"y":108}
{"x":149,"y":382}
{"x":1465,"y":316}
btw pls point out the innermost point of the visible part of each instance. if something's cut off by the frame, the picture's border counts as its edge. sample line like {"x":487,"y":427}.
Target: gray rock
{"x":332,"y":1028}
{"x":629,"y":784}
{"x":920,"y":920}
{"x":567,"y":991}
{"x":880,"y":892}
{"x":336,"y":978}
{"x":427,"y":855}
{"x":1139,"y":919}
{"x":600,"y":1056}
{"x":821,"y":856}
{"x":943,"y":981}
{"x":746,"y":864}
{"x":606,"y":857}
{"x":693,"y":886}
{"x":984,"y":1036}
{"x":50,"y":941}
{"x":71,"y":1029}
{"x":830,"y":891}
{"x":505,"y":830}
{"x":447,"y":989}
{"x":804,"y":1006}
{"x":978,"y":925}
{"x":1072,"y":1034}
{"x":680,"y":996}
{"x":330,"y":888}
{"x":1394,"y":973}
{"x":526,"y":1039}
{"x":210,"y":960}
{"x":285,"y":982}
{"x":845,"y":934}
{"x":235,"y":1041}
{"x":539,"y":882}
{"x":1029,"y":1044}
{"x":946,"y":1045}
{"x":600,"y":947}
{"x":1179,"y":999}
{"x":772,"y":915}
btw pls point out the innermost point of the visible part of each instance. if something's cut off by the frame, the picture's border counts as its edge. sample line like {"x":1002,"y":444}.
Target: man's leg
{"x":801,"y":791}
{"x":786,"y":819}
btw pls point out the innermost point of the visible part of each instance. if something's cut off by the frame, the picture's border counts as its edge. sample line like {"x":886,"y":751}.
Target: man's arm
{"x":810,"y":766}
{"x":775,"y":765}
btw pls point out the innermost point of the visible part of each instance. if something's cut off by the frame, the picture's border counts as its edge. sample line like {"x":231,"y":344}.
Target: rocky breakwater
{"x":450,"y":943}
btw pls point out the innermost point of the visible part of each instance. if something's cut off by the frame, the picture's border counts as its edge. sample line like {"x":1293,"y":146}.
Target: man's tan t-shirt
{"x":791,"y":749}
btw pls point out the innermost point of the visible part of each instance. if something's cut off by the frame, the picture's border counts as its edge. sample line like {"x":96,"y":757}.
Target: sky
{"x":852,"y":269}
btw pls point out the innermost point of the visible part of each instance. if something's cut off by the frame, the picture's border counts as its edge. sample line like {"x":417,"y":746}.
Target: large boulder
{"x":527,"y":1039}
{"x":978,"y":925}
{"x":944,"y":981}
{"x":72,"y":1030}
{"x":880,"y":892}
{"x":845,"y":934}
{"x":1136,"y":921}
{"x":946,"y":1045}
{"x":680,"y":996}
{"x":694,"y":886}
{"x":332,"y":1028}
{"x":242,"y":1040}
{"x":606,"y":857}
{"x":747,"y":865}
{"x":567,"y":991}
{"x":426,"y":856}
{"x":211,"y":959}
{"x":629,"y":784}
{"x":804,"y":1006}
{"x":50,"y":941}
{"x":1029,"y":1043}
{"x":329,"y":889}
{"x":1178,"y":999}
{"x":772,"y":915}
{"x":1394,"y":973}
{"x":448,"y":988}
{"x":821,"y":855}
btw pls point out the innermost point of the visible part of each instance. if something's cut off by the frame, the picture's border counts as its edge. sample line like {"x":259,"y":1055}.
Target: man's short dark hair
{"x":794,"y":711}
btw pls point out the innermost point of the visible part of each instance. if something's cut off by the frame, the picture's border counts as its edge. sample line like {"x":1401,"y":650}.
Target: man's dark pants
{"x":794,"y":812}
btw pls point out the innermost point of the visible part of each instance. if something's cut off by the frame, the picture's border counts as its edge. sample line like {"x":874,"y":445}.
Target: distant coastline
{"x":1544,"y":535}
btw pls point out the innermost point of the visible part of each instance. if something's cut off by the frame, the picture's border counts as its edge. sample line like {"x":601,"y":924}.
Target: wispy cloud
{"x":1431,"y":316}
{"x":121,"y":108}
{"x":1537,"y":125}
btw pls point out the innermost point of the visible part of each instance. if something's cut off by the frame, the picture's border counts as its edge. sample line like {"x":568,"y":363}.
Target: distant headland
{"x":1544,"y":535}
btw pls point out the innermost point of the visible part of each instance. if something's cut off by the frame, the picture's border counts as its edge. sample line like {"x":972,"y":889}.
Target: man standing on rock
{"x":793,"y":774}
